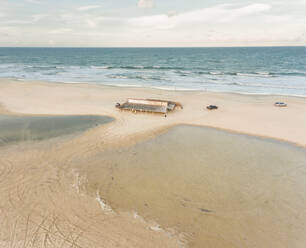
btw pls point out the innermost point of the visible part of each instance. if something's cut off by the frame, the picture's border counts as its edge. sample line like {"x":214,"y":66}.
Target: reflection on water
{"x":221,"y":189}
{"x":25,"y":128}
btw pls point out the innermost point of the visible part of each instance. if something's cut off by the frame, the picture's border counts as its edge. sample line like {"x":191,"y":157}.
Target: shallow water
{"x":30,"y":128}
{"x":221,"y":189}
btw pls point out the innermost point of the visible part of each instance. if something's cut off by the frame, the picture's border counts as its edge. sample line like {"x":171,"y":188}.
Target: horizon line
{"x":265,"y":46}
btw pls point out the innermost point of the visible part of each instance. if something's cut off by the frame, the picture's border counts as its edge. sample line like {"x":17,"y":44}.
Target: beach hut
{"x":148,"y":105}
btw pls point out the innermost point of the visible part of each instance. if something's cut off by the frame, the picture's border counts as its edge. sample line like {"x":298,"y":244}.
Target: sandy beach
{"x":250,"y":114}
{"x":43,"y":200}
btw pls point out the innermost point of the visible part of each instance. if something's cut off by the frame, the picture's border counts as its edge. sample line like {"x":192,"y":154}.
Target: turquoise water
{"x":268,"y":70}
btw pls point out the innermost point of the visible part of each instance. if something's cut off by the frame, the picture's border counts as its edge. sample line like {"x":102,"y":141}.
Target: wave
{"x":153,"y":67}
{"x":49,"y":67}
{"x":242,"y":88}
{"x":256,"y":74}
{"x":290,"y":82}
{"x":100,"y":67}
{"x":7,"y":66}
{"x":118,"y":76}
{"x":180,"y":70}
{"x":68,"y":67}
{"x":137,"y":67}
{"x":134,"y":76}
{"x":272,"y":74}
{"x":250,"y":74}
{"x":302,"y":74}
{"x":39,"y":68}
{"x":245,"y":74}
{"x":257,"y":85}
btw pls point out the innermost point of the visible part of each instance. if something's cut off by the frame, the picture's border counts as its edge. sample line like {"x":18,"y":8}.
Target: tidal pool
{"x":221,"y":189}
{"x":30,"y":128}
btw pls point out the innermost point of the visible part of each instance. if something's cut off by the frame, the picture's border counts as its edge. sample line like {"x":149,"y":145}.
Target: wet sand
{"x":33,"y":128}
{"x":42,"y":198}
{"x":52,"y":194}
{"x":219,"y":188}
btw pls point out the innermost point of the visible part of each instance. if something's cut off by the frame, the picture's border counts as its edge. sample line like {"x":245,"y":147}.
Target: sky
{"x":152,"y":23}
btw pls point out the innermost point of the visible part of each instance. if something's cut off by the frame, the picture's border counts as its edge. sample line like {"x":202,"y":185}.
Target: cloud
{"x":145,"y":3}
{"x":91,"y":23}
{"x":60,"y":31}
{"x":215,"y":14}
{"x":211,"y":25}
{"x":88,"y":7}
{"x":84,"y":20}
{"x":4,"y":34}
{"x":38,"y":17}
{"x":156,"y":21}
{"x":16,"y":22}
{"x":34,"y":1}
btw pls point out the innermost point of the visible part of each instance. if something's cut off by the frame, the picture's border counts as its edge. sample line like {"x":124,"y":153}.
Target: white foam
{"x":156,"y":228}
{"x":100,"y":67}
{"x":216,"y":73}
{"x":199,"y":89}
{"x":135,"y":215}
{"x":78,"y":181}
{"x":257,"y":74}
{"x":102,"y":203}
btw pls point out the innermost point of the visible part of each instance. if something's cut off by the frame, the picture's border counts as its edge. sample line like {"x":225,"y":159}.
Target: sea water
{"x":252,"y":70}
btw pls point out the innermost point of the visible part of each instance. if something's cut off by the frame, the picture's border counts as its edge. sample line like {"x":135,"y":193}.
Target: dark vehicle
{"x":212,"y":107}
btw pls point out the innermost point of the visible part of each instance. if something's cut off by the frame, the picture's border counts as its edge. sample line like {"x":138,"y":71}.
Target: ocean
{"x":246,"y":70}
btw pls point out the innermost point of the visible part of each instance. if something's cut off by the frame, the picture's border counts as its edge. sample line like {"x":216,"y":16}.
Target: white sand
{"x":41,"y":200}
{"x":250,"y":114}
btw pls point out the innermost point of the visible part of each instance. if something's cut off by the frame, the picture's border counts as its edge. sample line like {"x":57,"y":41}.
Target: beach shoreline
{"x":234,"y":114}
{"x":174,"y":89}
{"x":55,"y":188}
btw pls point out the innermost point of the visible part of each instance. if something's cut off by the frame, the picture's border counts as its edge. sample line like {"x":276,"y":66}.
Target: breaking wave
{"x":271,"y":70}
